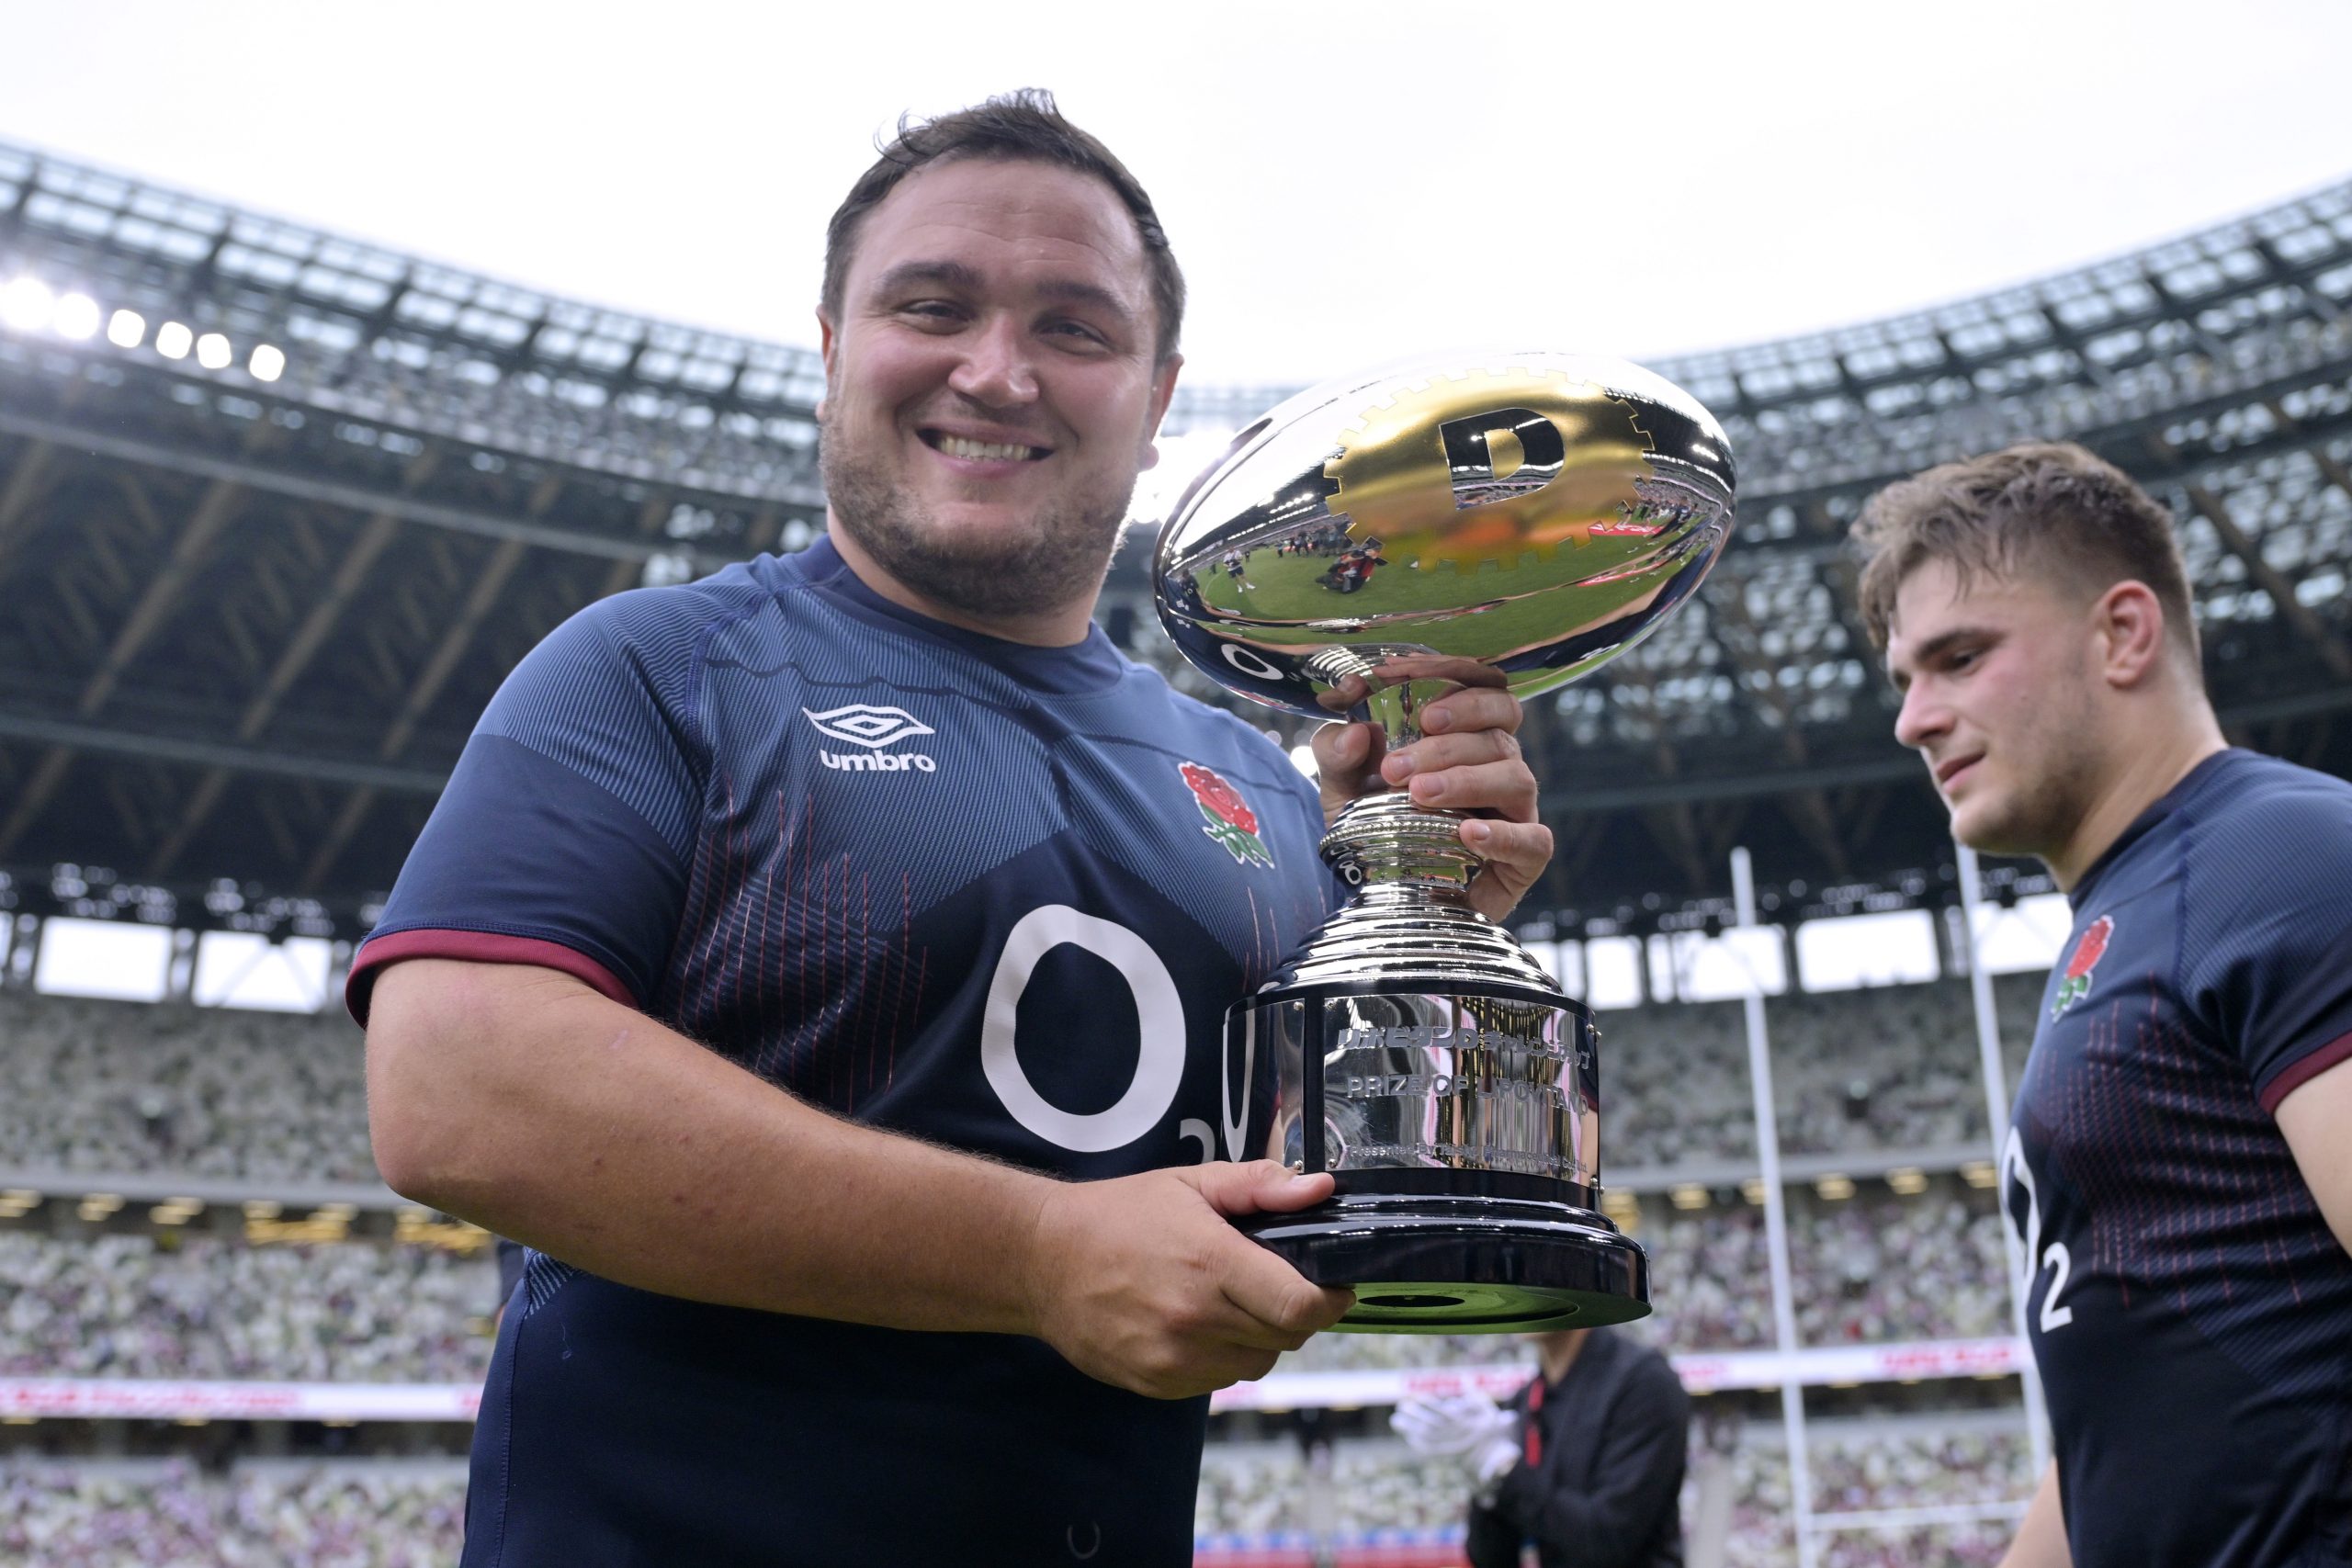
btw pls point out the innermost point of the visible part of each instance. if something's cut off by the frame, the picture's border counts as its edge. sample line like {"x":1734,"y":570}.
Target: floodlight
{"x":126,"y":329}
{"x":268,"y":363}
{"x":173,"y":340}
{"x":26,"y":304}
{"x":77,"y":317}
{"x":212,"y":351}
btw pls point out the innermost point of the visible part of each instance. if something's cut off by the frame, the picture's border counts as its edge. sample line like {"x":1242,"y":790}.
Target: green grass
{"x":1532,"y":602}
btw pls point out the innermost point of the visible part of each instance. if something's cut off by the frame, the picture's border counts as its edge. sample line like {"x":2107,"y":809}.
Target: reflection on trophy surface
{"x":1358,"y":552}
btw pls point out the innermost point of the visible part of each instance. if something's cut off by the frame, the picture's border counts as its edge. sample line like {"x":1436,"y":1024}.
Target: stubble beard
{"x":1060,"y":559}
{"x":2055,"y":773}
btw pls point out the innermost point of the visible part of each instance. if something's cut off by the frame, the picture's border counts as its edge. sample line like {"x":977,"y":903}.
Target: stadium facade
{"x":252,"y":618}
{"x":279,"y":510}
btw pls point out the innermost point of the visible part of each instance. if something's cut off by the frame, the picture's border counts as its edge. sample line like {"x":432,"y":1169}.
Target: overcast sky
{"x":1344,"y":183}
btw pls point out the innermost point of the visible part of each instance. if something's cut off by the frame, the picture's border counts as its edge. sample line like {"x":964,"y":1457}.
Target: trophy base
{"x":1428,"y":1264}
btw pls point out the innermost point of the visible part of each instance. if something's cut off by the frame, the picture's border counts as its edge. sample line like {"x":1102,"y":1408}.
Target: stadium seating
{"x":395,"y":1514}
{"x":1863,"y":1467}
{"x":264,"y":1515}
{"x":1251,"y":1491}
{"x":137,"y":1088}
{"x":1868,"y":1271}
{"x":213,"y":1307}
{"x":1893,"y":1068}
{"x":128,"y":1086}
{"x":419,"y":399}
{"x":375,"y":1513}
{"x":207,"y":1306}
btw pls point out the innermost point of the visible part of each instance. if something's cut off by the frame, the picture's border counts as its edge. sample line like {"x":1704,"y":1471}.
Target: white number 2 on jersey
{"x":2054,"y":1256}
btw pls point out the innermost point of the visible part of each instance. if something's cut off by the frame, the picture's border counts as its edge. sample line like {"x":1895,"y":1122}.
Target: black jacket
{"x":1607,"y":1491}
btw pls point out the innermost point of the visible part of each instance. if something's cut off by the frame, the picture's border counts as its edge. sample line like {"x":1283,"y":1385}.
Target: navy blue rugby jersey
{"x":2189,"y":1307}
{"x":994,"y":895}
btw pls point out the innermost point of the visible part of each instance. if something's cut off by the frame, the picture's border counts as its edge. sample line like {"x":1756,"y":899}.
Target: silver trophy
{"x":1367,"y":547}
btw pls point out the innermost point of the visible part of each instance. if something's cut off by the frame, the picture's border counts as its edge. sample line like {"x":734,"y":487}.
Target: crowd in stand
{"x":195,"y":1306}
{"x":1865,"y":1272}
{"x":1869,"y":1270}
{"x":1871,"y":1470}
{"x":132,"y":1087}
{"x":392,"y":1514}
{"x":351,"y":1515}
{"x":1255,"y":1490}
{"x":123,"y":1086}
{"x":1251,"y":1491}
{"x":1896,"y":1067}
{"x":1894,"y":1270}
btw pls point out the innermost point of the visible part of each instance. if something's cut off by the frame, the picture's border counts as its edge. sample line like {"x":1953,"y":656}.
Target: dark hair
{"x":1012,"y":127}
{"x":2047,"y":504}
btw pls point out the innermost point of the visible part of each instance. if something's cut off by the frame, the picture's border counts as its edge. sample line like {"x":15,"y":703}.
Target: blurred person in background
{"x":1585,"y":1463}
{"x":2179,"y":1160}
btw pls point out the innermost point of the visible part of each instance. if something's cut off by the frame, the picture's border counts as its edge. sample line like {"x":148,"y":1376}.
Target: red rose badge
{"x":2088,"y":953}
{"x":1226,"y":817}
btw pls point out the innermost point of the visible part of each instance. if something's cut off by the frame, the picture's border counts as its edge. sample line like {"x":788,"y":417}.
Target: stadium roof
{"x":277,"y":511}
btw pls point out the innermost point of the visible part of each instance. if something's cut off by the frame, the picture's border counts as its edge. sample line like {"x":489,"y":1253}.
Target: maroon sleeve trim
{"x":2302,"y":1071}
{"x":477,"y":947}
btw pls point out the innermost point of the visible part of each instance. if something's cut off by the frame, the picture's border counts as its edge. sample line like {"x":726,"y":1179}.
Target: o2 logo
{"x":2055,"y":1256}
{"x":1160,"y":1026}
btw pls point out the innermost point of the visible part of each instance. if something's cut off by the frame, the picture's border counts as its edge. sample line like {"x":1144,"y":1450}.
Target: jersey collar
{"x":2172,"y":800}
{"x":1083,"y":667}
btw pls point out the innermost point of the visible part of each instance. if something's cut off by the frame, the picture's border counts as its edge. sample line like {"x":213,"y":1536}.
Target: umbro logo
{"x":865,"y":724}
{"x":862,"y":724}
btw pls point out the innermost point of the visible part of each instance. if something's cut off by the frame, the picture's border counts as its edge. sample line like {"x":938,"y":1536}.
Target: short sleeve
{"x":2266,"y":928}
{"x":565,"y":833}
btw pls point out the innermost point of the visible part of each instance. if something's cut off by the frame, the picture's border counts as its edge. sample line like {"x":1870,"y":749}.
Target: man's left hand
{"x":1468,"y":759}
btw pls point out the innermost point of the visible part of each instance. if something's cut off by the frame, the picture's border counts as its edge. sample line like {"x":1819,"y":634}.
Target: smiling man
{"x":2179,"y":1162}
{"x":821,"y":966}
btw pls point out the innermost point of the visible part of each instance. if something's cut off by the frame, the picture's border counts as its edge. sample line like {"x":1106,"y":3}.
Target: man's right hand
{"x":1140,"y":1281}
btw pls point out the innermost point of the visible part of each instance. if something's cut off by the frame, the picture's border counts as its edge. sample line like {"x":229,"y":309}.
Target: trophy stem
{"x":1397,"y":853}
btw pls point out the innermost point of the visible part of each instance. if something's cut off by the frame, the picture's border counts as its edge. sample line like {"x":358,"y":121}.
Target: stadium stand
{"x":1893,"y":1068}
{"x":262,"y":595}
{"x":174,"y":1304}
{"x":263,"y":1514}
{"x":267,"y":1098}
{"x":485,"y":459}
{"x":1256,"y":1493}
{"x":198,"y":1307}
{"x":1872,"y":1480}
{"x":277,"y":1098}
{"x":1867,"y":1270}
{"x":1254,"y":1496}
